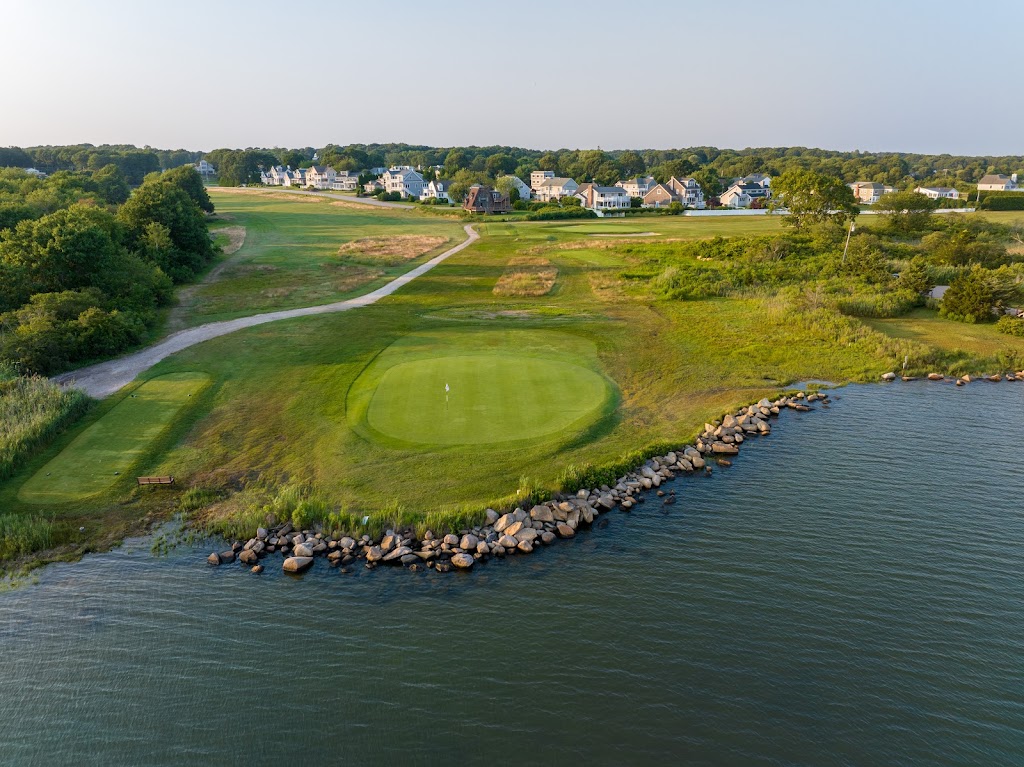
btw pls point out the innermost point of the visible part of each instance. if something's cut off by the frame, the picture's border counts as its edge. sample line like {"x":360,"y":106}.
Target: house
{"x":404,"y":181}
{"x":437,"y":189}
{"x":554,"y":188}
{"x":997,"y":182}
{"x":868,"y":192}
{"x":688,"y":191}
{"x":743,"y":195}
{"x":344,"y":181}
{"x":484,"y":199}
{"x":938,"y":192}
{"x":295,"y":177}
{"x":274,"y":176}
{"x":372,"y":187}
{"x":637,"y":187}
{"x":34,"y":172}
{"x":604,"y":200}
{"x":524,"y":191}
{"x":205,"y":169}
{"x":320,"y":177}
{"x":538,"y":177}
{"x":760,"y":179}
{"x":659,"y":196}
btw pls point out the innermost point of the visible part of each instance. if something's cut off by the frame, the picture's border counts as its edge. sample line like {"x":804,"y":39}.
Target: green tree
{"x":906,"y":212}
{"x":915,"y":277}
{"x":969,"y":297}
{"x":111,"y":184}
{"x":189,"y":181}
{"x":813,"y":198}
{"x":631,"y":164}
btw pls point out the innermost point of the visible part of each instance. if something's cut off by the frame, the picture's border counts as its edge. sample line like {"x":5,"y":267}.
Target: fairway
{"x":492,"y":399}
{"x":108,"y":448}
{"x":504,"y":386}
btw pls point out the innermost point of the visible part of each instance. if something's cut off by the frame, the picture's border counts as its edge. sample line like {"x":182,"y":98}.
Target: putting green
{"x":107,"y":449}
{"x":503,"y":387}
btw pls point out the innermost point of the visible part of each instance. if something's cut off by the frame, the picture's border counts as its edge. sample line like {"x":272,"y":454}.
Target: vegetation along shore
{"x":545,"y":358}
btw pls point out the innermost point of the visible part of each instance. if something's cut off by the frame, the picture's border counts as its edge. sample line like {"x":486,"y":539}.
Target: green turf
{"x":492,"y":399}
{"x":108,"y":448}
{"x":926,"y":326}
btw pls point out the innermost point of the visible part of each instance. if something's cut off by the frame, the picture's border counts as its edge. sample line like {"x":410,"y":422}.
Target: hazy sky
{"x":904,"y":75}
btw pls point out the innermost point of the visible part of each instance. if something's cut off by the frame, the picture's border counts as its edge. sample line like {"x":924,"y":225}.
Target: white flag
{"x":446,"y":388}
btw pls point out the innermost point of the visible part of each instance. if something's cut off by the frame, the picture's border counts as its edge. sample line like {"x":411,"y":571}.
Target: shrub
{"x":1002,"y":201}
{"x":1011,"y":326}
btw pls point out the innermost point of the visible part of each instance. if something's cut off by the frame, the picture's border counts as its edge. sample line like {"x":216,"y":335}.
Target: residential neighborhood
{"x":425,"y":184}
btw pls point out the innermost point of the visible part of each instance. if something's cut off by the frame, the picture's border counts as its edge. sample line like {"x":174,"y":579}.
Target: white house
{"x":345,"y":181}
{"x":687,"y":191}
{"x":404,"y":180}
{"x":34,"y":172}
{"x":436,"y":189}
{"x":205,"y":169}
{"x":997,"y":182}
{"x":604,"y":200}
{"x":741,"y":195}
{"x":524,"y":191}
{"x":274,"y":176}
{"x":538,"y":177}
{"x":320,"y":177}
{"x":637,"y":187}
{"x":295,"y":177}
{"x":554,"y":188}
{"x":868,"y":192}
{"x":938,"y":192}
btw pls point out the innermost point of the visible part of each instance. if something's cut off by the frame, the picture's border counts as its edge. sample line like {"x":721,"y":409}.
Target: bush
{"x":1001,"y":201}
{"x":555,"y":213}
{"x":969,"y":297}
{"x":1010,"y":325}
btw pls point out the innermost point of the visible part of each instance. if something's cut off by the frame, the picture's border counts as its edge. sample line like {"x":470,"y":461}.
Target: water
{"x":849,"y":592}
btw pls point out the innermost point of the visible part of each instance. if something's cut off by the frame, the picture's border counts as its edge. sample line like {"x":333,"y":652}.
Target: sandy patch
{"x":236,"y":238}
{"x":527,"y":276}
{"x":395,"y":249}
{"x":628,"y":234}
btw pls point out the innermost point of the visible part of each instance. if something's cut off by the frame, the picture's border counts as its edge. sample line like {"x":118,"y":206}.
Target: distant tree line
{"x":85,"y":263}
{"x":132,"y":162}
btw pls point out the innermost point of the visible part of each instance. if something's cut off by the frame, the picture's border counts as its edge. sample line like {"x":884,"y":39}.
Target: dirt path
{"x":176,"y":320}
{"x":105,"y":378}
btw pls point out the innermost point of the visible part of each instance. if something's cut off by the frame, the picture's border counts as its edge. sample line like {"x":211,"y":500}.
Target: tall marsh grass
{"x":32,"y":412}
{"x":24,"y":534}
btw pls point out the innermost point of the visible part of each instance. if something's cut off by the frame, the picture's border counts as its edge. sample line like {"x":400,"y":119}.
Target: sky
{"x":929,"y":76}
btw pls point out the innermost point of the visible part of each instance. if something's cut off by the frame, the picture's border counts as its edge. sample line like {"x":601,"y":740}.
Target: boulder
{"x":335,"y":556}
{"x":609,"y":503}
{"x":256,"y":569}
{"x":451,"y":539}
{"x":547,"y":537}
{"x":541,"y":514}
{"x":227,"y":557}
{"x":261,"y":533}
{"x":564,"y":530}
{"x":297,"y":564}
{"x":504,"y":522}
{"x":347,"y":543}
{"x":507,"y":541}
{"x":463,"y":561}
{"x":888,"y":376}
{"x":390,"y":542}
{"x":491,"y":516}
{"x":514,"y":528}
{"x":935,"y":376}
{"x":214,"y":558}
{"x":526,"y":534}
{"x":303,"y":550}
{"x":248,"y":557}
{"x":469,"y":542}
{"x":398,"y":553}
{"x":525,"y":546}
{"x":482,"y":548}
{"x":374,"y":554}
{"x":722,"y":448}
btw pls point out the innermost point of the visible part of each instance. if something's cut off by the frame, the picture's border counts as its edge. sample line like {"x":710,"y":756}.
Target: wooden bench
{"x":155,"y":480}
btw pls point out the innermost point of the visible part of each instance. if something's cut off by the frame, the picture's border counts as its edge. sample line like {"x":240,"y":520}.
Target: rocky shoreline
{"x":958,"y":380}
{"x":519,"y":531}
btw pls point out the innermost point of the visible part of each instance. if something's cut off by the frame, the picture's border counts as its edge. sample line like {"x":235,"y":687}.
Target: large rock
{"x":214,"y":558}
{"x":609,"y":503}
{"x":227,"y":557}
{"x":491,"y":516}
{"x":514,"y":528}
{"x":261,"y":533}
{"x":303,"y":550}
{"x":451,"y":539}
{"x":374,"y":554}
{"x":507,"y":541}
{"x":347,"y":543}
{"x":526,"y":534}
{"x":248,"y":557}
{"x":888,"y":376}
{"x":398,"y":553}
{"x":525,"y":546}
{"x":469,"y":542}
{"x":463,"y":561}
{"x":297,"y":564}
{"x":724,"y":449}
{"x":541,"y":514}
{"x":564,"y":530}
{"x":503,"y":522}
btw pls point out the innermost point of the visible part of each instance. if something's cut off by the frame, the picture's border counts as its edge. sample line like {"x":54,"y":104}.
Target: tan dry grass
{"x":271,"y":195}
{"x":527,"y":276}
{"x":390,"y":249}
{"x":236,"y":238}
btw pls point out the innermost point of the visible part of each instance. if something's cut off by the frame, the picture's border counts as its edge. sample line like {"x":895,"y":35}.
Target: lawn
{"x":291,"y":253}
{"x":111,"y":446}
{"x":927,"y":327}
{"x":470,"y":387}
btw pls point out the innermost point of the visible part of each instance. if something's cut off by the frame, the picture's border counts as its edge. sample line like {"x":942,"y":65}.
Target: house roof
{"x":940,"y":189}
{"x":656,"y":187}
{"x":319,"y":168}
{"x":557,"y":181}
{"x":994,"y":178}
{"x":610,"y":190}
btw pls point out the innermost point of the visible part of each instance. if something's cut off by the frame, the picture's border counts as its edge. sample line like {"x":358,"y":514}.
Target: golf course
{"x":448,"y":396}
